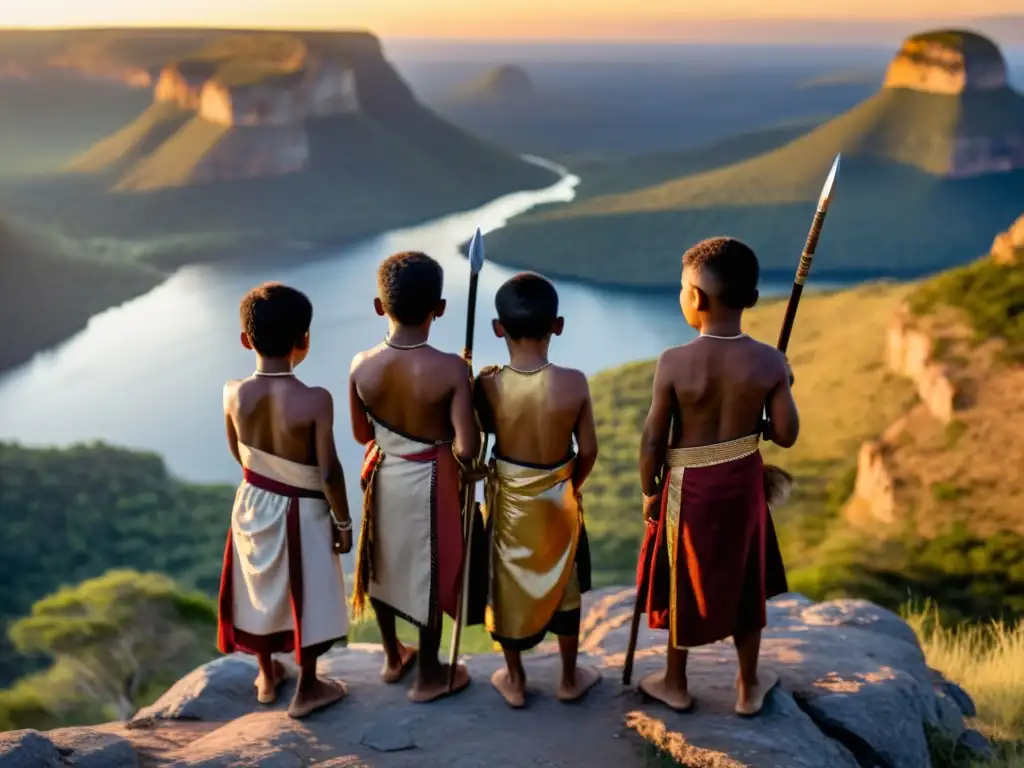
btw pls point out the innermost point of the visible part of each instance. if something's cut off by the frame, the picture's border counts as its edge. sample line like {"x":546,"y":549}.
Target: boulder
{"x":95,"y":748}
{"x":962,"y":699}
{"x":973,"y":745}
{"x":29,"y":749}
{"x":220,"y":690}
{"x":855,"y":691}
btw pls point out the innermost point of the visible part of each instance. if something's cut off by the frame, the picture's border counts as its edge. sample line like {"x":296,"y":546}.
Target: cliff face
{"x":264,"y":113}
{"x":934,"y":464}
{"x":318,"y":91}
{"x":947,"y":62}
{"x":1008,"y":247}
{"x":182,"y":84}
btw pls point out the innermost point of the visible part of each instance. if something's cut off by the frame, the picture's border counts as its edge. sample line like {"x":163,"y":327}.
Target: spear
{"x":802,"y":271}
{"x":476,"y":262}
{"x":808,"y":255}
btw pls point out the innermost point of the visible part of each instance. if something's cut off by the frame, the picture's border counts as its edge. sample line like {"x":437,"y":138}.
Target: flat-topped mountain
{"x":505,"y":83}
{"x":252,"y":105}
{"x":236,"y":109}
{"x":263,"y":136}
{"x":249,"y":142}
{"x":928,"y":175}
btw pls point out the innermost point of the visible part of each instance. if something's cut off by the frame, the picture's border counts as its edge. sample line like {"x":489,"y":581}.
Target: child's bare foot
{"x":395,"y":674}
{"x":513,"y":693}
{"x":586,"y":678}
{"x":267,"y":687}
{"x":424,"y":691}
{"x":322,"y":693}
{"x":654,"y":686}
{"x":751,"y":699}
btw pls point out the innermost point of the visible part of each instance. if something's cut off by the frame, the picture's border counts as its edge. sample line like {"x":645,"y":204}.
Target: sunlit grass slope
{"x":136,"y":140}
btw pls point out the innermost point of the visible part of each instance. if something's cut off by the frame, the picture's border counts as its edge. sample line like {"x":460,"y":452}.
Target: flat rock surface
{"x":855,"y":690}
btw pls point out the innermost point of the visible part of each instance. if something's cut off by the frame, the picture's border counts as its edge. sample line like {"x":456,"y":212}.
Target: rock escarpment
{"x":250,"y":116}
{"x":910,"y":350}
{"x":855,"y":691}
{"x":949,"y":62}
{"x":1008,"y":247}
{"x":911,"y":353}
{"x":954,"y":339}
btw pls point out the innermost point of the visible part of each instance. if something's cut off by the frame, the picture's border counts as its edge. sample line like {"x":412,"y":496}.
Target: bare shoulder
{"x":769,"y":355}
{"x":318,"y":400}
{"x":360,"y":359}
{"x":572,"y":379}
{"x":487,"y":378}
{"x":453,"y":366}
{"x":230,"y":394}
{"x":675,"y":359}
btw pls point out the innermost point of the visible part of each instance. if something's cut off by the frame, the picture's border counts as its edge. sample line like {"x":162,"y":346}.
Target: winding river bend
{"x":148,"y":374}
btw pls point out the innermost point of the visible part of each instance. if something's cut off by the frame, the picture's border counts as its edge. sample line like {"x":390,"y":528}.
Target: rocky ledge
{"x":855,"y":691}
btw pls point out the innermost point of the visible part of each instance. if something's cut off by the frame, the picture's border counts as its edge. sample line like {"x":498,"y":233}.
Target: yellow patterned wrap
{"x":536,"y":517}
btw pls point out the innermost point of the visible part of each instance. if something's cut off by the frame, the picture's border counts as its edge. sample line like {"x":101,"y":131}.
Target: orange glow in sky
{"x":474,"y":18}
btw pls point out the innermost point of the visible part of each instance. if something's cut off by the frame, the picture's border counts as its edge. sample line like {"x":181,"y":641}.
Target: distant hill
{"x":509,"y":84}
{"x":934,"y":162}
{"x":53,"y":284}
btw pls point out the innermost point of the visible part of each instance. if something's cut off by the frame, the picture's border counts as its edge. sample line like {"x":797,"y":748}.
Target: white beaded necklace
{"x":530,"y":372}
{"x":403,"y":347}
{"x":272,"y":375}
{"x":722,"y":338}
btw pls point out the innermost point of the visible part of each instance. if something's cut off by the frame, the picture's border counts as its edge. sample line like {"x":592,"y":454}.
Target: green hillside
{"x":72,"y":514}
{"x":608,"y":177}
{"x":894,"y":212}
{"x":54,"y":284}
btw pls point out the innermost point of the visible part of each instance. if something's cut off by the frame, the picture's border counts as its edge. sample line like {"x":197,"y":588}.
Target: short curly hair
{"x":733,"y":267}
{"x":527,"y":306}
{"x":275,"y":317}
{"x":410,"y":286}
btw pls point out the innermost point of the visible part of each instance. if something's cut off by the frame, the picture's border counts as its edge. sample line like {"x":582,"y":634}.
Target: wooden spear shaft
{"x":476,"y":262}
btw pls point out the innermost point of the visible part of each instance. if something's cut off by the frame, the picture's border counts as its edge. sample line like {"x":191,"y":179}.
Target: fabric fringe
{"x":778,"y":485}
{"x":364,"y":553}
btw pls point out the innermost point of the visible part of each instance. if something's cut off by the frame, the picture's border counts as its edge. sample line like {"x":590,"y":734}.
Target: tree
{"x":120,"y":634}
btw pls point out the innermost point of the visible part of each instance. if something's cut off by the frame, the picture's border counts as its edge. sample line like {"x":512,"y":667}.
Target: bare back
{"x":721,"y":387}
{"x":410,"y":390}
{"x":274,"y":415}
{"x":533,"y":416}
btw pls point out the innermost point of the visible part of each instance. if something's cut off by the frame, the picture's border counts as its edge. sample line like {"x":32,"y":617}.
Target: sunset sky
{"x":473,"y":18}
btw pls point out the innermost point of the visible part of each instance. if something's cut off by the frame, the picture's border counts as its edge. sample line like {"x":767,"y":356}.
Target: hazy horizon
{"x":605,"y":21}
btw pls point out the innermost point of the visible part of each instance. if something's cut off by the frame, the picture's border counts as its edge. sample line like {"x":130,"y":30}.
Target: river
{"x":148,"y":374}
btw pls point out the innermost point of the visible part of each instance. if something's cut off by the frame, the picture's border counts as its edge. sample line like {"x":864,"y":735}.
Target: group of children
{"x":709,"y":554}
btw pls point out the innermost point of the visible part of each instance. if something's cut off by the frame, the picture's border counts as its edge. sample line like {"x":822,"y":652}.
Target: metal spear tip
{"x":826,"y":191}
{"x":476,"y":252}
